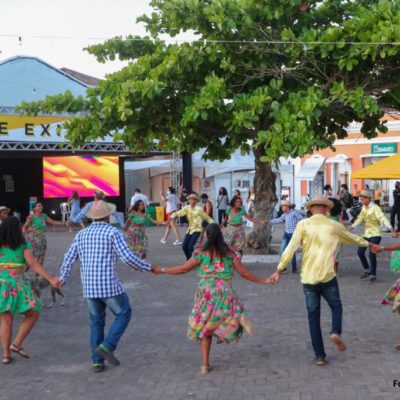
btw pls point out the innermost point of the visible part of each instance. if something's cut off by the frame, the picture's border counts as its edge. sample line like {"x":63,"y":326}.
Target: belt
{"x":8,"y":266}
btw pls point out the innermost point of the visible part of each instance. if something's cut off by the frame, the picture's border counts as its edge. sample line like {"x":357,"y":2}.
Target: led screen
{"x":85,"y":174}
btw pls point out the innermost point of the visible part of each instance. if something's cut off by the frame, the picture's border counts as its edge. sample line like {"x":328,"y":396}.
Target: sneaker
{"x":365,"y":275}
{"x":320,"y":361}
{"x":177,"y":242}
{"x":338,"y":342}
{"x":163,"y":241}
{"x":98,"y":367}
{"x":372,"y":279}
{"x":103,"y":352}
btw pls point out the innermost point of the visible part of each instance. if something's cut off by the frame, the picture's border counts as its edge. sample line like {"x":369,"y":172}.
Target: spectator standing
{"x":328,"y":192}
{"x":4,"y":212}
{"x":395,"y":211}
{"x":222,"y":204}
{"x":346,"y":199}
{"x":138,"y":195}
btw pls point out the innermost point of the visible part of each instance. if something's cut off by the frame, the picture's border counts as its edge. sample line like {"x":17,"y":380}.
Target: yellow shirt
{"x":320,"y":237}
{"x":194,"y":216}
{"x":372,"y":217}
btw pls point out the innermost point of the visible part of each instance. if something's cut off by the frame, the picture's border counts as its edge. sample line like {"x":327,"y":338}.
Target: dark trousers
{"x":371,"y":267}
{"x":395,"y":211}
{"x":285,"y":242}
{"x":221,"y":216}
{"x":330,"y":292}
{"x":189,"y":242}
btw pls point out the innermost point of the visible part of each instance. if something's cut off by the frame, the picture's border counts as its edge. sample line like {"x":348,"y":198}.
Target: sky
{"x":71,"y":18}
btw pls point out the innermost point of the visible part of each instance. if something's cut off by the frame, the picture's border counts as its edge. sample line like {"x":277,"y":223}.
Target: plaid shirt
{"x":290,"y":219}
{"x":85,"y":209}
{"x":97,"y":247}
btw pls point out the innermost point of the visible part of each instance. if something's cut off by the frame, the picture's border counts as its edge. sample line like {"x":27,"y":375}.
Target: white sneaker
{"x":163,"y":241}
{"x":177,"y":242}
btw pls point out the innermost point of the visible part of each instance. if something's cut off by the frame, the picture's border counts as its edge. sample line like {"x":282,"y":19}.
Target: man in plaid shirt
{"x":98,"y":247}
{"x":290,"y":218}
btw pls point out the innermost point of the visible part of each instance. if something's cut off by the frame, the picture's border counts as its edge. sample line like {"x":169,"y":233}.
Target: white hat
{"x":100,"y":209}
{"x":4,"y":208}
{"x":319,"y":201}
{"x":365,"y":193}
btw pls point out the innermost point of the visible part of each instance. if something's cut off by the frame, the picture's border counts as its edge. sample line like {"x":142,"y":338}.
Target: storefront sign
{"x":384,"y":148}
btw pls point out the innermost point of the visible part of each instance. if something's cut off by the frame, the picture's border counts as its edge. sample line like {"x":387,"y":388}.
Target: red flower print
{"x":210,"y":307}
{"x":219,"y":283}
{"x":32,"y":303}
{"x":218,"y":266}
{"x":197,"y":318}
{"x":4,"y":294}
{"x":207,"y":295}
{"x":13,"y":292}
{"x":13,"y":274}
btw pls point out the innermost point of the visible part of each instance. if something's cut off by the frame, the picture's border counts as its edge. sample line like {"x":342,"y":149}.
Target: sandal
{"x":7,"y":360}
{"x":20,"y":351}
{"x":205,"y":369}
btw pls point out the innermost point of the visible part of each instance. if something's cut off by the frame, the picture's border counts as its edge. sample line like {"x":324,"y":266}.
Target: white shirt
{"x":171,"y":203}
{"x":139,"y":196}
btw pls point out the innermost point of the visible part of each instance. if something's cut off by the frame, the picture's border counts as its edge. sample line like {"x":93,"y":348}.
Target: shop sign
{"x":384,"y":148}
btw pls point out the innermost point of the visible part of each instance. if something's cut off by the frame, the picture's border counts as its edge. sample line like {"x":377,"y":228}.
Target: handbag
{"x":395,"y":261}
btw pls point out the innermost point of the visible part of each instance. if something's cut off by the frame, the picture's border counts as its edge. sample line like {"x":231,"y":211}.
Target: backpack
{"x":349,"y":202}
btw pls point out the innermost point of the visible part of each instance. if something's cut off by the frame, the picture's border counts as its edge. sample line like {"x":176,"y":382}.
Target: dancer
{"x":172,"y":204}
{"x":35,"y":231}
{"x":195,"y":215}
{"x":16,"y":295}
{"x":4,"y":212}
{"x":234,"y":233}
{"x":98,"y":196}
{"x":138,"y":241}
{"x":372,"y":217}
{"x":251,"y":202}
{"x":75,"y":204}
{"x":217,"y":310}
{"x":320,"y":237}
{"x":222,"y":204}
{"x":335,"y":214}
{"x":97,"y":248}
{"x":290,"y":218}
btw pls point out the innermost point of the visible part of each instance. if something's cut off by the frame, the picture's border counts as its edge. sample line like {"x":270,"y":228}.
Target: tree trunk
{"x":259,"y":238}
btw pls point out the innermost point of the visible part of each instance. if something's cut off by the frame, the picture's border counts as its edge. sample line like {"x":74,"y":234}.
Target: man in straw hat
{"x":99,"y":195}
{"x":319,"y":236}
{"x":4,"y":212}
{"x":372,"y":217}
{"x":97,"y":247}
{"x":290,"y":218}
{"x":195,"y":215}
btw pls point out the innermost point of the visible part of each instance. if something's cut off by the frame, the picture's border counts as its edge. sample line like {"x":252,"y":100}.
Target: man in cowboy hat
{"x":195,"y":215}
{"x":290,"y":218}
{"x":4,"y":212}
{"x":97,"y":247}
{"x":319,"y":236}
{"x":372,"y":217}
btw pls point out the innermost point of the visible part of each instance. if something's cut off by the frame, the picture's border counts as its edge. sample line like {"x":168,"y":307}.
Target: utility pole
{"x":187,"y":171}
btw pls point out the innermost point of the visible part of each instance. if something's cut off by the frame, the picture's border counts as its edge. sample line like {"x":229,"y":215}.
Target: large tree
{"x":276,"y":77}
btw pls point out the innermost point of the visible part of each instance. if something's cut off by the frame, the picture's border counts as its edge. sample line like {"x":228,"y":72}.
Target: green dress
{"x":16,"y":295}
{"x":138,"y":241}
{"x":36,"y":236}
{"x":217,"y":310}
{"x":235,"y":236}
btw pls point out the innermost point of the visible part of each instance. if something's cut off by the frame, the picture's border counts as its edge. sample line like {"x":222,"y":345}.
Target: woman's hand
{"x":268,"y":281}
{"x":56,"y":282}
{"x":155,"y":270}
{"x":375,"y":248}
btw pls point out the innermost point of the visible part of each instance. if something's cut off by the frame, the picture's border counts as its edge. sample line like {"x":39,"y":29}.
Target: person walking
{"x":290,"y":218}
{"x":138,"y":195}
{"x":346,"y":199}
{"x":35,"y":229}
{"x":138,"y":241}
{"x":372,"y":217}
{"x":328,"y":191}
{"x":195,"y":215}
{"x":4,"y":213}
{"x":97,"y":247}
{"x":16,"y":294}
{"x":234,"y":233}
{"x":320,"y":237}
{"x":171,"y":205}
{"x":75,"y":206}
{"x":217,"y":309}
{"x":222,"y":204}
{"x":395,"y":211}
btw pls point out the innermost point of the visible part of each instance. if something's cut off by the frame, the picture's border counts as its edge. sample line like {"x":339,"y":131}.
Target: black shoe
{"x":320,"y":361}
{"x":365,"y":275}
{"x":294,"y":271}
{"x":372,"y":279}
{"x":103,"y":352}
{"x":98,"y":367}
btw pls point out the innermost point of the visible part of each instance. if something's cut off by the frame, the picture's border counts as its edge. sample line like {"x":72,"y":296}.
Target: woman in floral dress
{"x":234,"y":233}
{"x":135,"y":228}
{"x":217,"y":309}
{"x":16,"y":295}
{"x":35,"y":231}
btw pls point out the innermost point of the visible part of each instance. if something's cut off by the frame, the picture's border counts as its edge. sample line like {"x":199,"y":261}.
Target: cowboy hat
{"x":365,"y":193}
{"x":285,"y":203}
{"x":319,"y":201}
{"x":100,"y":209}
{"x":99,"y":194}
{"x":194,"y":197}
{"x":4,"y":208}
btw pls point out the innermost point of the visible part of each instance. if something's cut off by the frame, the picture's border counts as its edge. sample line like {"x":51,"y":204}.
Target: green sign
{"x":384,"y":148}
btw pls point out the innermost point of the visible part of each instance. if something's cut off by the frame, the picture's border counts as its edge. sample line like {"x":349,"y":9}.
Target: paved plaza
{"x":158,"y":362}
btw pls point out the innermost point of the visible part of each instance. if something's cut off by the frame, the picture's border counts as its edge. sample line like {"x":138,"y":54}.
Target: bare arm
{"x":34,"y":264}
{"x":54,"y":222}
{"x":246,"y":274}
{"x":256,"y":221}
{"x":224,"y":221}
{"x":180,"y":269}
{"x":27,"y":224}
{"x":152,"y":220}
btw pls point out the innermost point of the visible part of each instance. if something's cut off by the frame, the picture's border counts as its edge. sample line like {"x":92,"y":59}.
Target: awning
{"x":388,"y":168}
{"x":310,"y":168}
{"x":375,"y":155}
{"x":340,"y":158}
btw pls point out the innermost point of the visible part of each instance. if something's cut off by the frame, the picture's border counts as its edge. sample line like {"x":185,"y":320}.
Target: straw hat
{"x":194,"y":197}
{"x":4,"y":208}
{"x":319,"y":201}
{"x":99,"y":194}
{"x":100,"y":209}
{"x":286,"y":203}
{"x":365,"y":193}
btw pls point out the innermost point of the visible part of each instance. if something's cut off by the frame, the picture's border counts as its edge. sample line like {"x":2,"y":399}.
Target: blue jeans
{"x":285,"y":242}
{"x":371,"y":267}
{"x":119,"y":306}
{"x":330,"y":292}
{"x":189,"y":242}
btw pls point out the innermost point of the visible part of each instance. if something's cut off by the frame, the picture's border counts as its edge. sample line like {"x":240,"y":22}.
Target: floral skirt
{"x":216,"y":312}
{"x":38,"y":242}
{"x":137,"y":240}
{"x":235,"y":236}
{"x":392,"y":297}
{"x":16,"y":295}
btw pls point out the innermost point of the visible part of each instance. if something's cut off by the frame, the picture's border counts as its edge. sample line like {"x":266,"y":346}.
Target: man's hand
{"x":274,"y":278}
{"x":375,"y":248}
